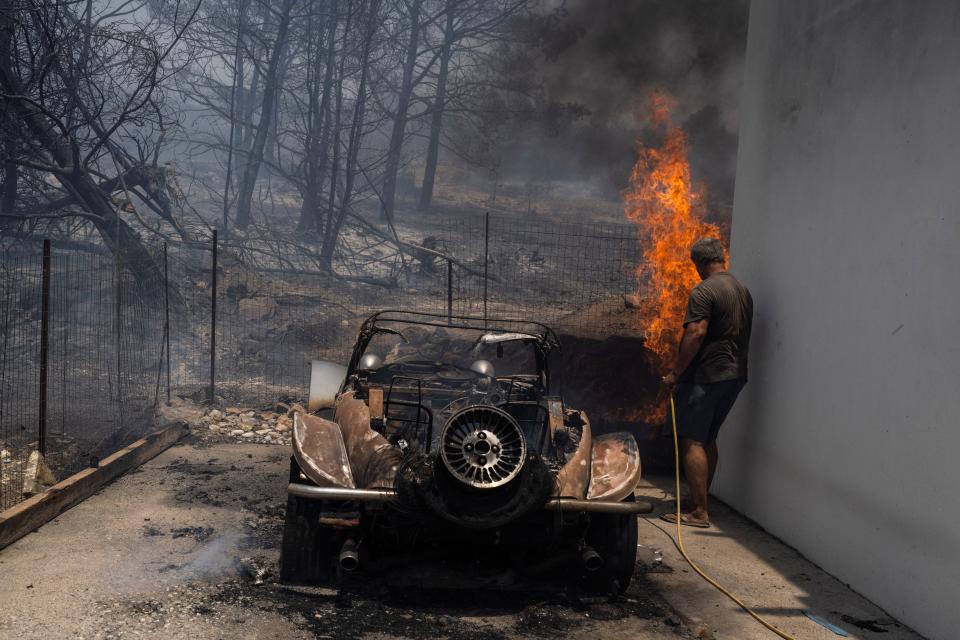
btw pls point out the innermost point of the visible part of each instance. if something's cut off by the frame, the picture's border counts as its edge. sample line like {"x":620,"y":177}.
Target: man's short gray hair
{"x":706,"y":250}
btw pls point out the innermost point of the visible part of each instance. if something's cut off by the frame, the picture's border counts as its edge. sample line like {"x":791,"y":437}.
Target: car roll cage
{"x":543,"y":338}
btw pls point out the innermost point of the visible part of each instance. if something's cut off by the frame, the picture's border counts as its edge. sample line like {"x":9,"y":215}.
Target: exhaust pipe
{"x":349,"y":555}
{"x":590,"y":559}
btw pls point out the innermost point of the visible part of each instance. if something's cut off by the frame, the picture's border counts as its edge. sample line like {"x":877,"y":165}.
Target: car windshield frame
{"x":542,"y":337}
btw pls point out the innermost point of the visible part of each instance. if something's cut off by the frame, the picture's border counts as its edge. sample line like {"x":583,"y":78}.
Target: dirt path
{"x":172,"y":551}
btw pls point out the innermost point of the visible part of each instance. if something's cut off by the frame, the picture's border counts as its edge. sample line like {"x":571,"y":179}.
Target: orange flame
{"x":668,"y":209}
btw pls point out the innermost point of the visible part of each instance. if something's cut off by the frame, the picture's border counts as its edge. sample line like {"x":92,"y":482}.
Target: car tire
{"x":308,"y":549}
{"x":614,"y":537}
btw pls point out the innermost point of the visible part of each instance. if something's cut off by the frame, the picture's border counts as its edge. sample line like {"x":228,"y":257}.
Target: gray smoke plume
{"x":600,"y":59}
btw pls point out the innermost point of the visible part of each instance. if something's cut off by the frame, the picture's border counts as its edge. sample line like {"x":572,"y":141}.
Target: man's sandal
{"x":685,"y":521}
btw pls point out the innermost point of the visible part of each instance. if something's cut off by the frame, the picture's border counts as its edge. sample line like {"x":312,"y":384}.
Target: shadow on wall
{"x":611,"y":380}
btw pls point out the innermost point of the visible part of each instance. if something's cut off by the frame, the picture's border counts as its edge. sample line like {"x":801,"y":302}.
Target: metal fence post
{"x":213,"y":324}
{"x":166,"y":322}
{"x":486,"y":262}
{"x":449,"y":291}
{"x":117,"y":321}
{"x":44,"y":348}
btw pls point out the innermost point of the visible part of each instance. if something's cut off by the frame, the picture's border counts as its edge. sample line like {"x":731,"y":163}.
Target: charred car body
{"x":441,"y":440}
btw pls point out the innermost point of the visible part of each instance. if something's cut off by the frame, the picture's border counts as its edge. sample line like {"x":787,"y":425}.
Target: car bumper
{"x":390,"y":495}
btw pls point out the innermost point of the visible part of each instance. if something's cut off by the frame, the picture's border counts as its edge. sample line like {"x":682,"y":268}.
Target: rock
{"x":214,"y":429}
{"x":248,"y":434}
{"x":233,"y":411}
{"x":257,"y":309}
{"x":215,"y":414}
{"x":36,"y":475}
{"x":225,"y":424}
{"x":237,"y":432}
{"x":283,"y":428}
{"x":631,"y":300}
{"x":252,"y":569}
{"x":262,"y":432}
{"x":344,"y":323}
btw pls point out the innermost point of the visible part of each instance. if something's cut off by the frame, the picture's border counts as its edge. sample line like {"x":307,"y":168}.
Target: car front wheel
{"x":308,"y":550}
{"x":614,"y":538}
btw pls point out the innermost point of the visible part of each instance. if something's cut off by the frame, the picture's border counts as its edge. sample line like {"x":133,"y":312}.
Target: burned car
{"x":441,"y":442}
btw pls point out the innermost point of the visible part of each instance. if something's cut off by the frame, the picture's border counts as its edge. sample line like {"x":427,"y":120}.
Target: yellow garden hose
{"x":683,"y":552}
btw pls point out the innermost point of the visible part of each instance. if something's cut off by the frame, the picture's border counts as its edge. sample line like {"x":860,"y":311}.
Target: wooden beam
{"x":29,"y":515}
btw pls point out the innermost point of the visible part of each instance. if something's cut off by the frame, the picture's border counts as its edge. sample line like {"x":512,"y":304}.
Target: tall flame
{"x":668,"y":209}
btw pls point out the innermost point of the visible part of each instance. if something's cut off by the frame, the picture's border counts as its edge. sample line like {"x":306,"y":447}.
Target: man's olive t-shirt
{"x":727,"y":306}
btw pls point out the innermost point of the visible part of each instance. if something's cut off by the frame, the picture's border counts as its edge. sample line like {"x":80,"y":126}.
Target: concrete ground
{"x":767,"y":575}
{"x":187,"y":546}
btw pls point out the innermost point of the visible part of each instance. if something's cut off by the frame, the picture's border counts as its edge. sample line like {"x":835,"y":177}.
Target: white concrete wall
{"x":846,"y":228}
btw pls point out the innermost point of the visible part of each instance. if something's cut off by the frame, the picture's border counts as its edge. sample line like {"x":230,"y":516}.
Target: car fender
{"x":319,"y":449}
{"x":614,"y":468}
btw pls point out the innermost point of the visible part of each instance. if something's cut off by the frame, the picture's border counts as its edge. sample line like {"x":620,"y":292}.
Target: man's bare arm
{"x":693,"y":335}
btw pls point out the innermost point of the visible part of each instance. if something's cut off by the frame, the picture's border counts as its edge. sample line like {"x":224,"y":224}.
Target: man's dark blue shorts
{"x":702,"y":408}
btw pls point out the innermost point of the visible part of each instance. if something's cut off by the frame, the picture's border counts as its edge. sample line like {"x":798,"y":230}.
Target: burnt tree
{"x":436,"y":110}
{"x":76,"y":94}
{"x":400,"y":118}
{"x":267,"y":107}
{"x":472,"y":29}
{"x":319,"y":126}
{"x":334,"y":225}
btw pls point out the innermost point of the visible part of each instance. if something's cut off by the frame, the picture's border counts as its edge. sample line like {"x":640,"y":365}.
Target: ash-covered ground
{"x":187,"y":547}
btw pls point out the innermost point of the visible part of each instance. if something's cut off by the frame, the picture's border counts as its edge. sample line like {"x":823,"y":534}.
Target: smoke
{"x":600,"y":60}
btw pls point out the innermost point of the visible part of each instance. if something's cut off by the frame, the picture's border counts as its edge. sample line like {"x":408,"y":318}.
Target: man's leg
{"x":696,"y":467}
{"x":728,"y":392}
{"x":713,"y":454}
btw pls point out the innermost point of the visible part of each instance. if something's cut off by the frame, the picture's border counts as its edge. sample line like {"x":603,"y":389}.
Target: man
{"x":710,"y":370}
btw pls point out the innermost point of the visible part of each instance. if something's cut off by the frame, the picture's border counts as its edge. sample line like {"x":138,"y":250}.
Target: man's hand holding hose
{"x":693,"y":335}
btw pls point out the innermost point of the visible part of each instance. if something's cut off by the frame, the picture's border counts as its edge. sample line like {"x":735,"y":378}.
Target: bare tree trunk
{"x":312,"y":85}
{"x":237,"y":77}
{"x":246,"y":97}
{"x":436,"y":115}
{"x":272,"y":147}
{"x":270,"y":89}
{"x":335,"y":146}
{"x":319,"y":135}
{"x":400,"y":120}
{"x":353,"y":146}
{"x":8,"y":189}
{"x":8,"y":197}
{"x":249,"y":108}
{"x":240,"y":90}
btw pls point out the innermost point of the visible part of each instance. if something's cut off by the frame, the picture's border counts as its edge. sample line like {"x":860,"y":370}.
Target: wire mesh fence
{"x":245,"y":332}
{"x":569,"y":275}
{"x":80,"y":351}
